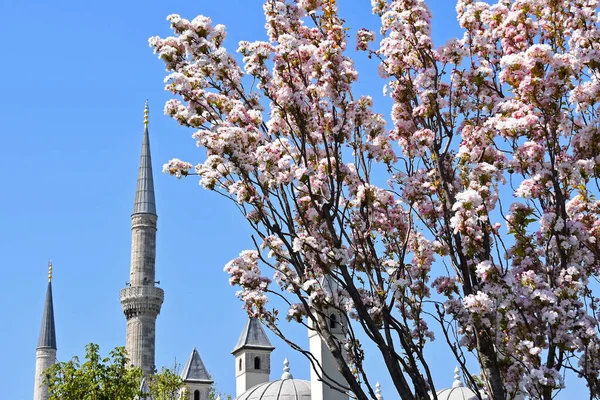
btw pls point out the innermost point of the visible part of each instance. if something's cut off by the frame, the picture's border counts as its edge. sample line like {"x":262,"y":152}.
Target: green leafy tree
{"x":167,"y":385}
{"x":107,"y":378}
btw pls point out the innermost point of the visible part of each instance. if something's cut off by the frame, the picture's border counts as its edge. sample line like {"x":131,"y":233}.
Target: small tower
{"x":141,"y":300}
{"x":325,"y":384}
{"x":45,"y":353}
{"x":196,"y":378}
{"x":252,"y":357}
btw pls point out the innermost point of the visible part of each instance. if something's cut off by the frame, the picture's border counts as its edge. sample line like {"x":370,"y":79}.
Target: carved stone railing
{"x":137,"y":300}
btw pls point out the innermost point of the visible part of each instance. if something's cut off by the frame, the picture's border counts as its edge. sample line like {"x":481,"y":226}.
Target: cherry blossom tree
{"x":487,"y":231}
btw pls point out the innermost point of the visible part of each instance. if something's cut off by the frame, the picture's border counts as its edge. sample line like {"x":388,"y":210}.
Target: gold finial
{"x":50,"y":271}
{"x":146,"y":114}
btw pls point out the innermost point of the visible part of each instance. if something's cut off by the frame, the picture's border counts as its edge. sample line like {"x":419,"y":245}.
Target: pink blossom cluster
{"x":244,"y":271}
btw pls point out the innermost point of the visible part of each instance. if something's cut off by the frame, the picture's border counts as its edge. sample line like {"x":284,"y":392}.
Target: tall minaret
{"x":45,"y":353}
{"x":327,"y":382}
{"x":141,"y":300}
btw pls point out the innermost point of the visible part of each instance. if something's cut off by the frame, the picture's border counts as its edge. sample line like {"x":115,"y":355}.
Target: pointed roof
{"x":47,"y":338}
{"x":253,"y":336}
{"x":194,"y":370}
{"x":145,"y":390}
{"x":144,"y":193}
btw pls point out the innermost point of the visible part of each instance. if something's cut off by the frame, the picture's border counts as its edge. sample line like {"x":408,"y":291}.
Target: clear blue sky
{"x":75,"y":78}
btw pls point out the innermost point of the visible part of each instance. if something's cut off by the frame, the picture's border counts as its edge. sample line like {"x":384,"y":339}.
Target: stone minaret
{"x":141,"y":300}
{"x":45,"y":353}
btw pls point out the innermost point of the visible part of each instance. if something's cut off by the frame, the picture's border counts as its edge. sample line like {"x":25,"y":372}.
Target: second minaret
{"x":141,"y":300}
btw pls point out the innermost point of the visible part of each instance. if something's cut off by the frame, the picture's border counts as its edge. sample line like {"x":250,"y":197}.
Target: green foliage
{"x":109,"y":378}
{"x":167,"y":385}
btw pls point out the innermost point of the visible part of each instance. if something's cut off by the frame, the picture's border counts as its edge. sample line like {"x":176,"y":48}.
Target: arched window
{"x":196,"y":395}
{"x":256,"y":362}
{"x":332,"y":321}
{"x":240,"y":364}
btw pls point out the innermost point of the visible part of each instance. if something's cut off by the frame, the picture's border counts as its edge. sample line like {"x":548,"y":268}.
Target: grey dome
{"x":286,"y":388}
{"x":282,"y":389}
{"x":458,"y":391}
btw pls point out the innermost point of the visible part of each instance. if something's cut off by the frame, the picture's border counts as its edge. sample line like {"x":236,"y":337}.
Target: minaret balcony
{"x":137,"y":300}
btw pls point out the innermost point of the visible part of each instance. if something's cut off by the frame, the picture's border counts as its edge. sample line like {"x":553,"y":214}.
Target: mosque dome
{"x":458,"y":391}
{"x":286,"y":388}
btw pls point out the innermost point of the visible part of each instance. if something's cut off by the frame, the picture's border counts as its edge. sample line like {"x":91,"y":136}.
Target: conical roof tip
{"x":195,"y":370}
{"x":144,"y":202}
{"x":144,"y":388}
{"x":47,"y":339}
{"x":253,"y":336}
{"x":145,"y":391}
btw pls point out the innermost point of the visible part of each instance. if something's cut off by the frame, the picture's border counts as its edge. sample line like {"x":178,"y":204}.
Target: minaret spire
{"x":45,"y":354}
{"x":144,"y":194}
{"x":141,"y":300}
{"x":47,"y":337}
